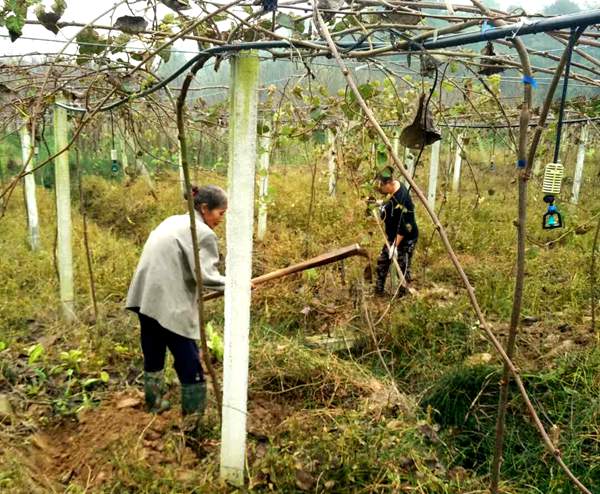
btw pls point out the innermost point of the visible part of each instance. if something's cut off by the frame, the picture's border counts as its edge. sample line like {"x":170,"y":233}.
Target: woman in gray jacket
{"x":163,"y":293}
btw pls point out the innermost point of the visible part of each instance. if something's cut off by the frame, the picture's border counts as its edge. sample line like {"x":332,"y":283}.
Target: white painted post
{"x":124,"y":159}
{"x":238,"y":264}
{"x":457,"y":164}
{"x":579,"y":165}
{"x":482,"y":152}
{"x":264,"y":153}
{"x":30,"y":199}
{"x":434,"y":166}
{"x":63,"y":212}
{"x":395,"y":144}
{"x":331,"y":162}
{"x":140,"y":168}
{"x":409,"y":162}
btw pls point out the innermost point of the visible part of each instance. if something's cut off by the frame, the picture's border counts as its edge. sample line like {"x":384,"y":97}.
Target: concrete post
{"x":30,"y":198}
{"x":238,"y":264}
{"x":63,"y":213}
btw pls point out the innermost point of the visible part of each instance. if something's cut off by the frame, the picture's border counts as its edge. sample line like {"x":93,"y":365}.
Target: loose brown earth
{"x":84,"y":451}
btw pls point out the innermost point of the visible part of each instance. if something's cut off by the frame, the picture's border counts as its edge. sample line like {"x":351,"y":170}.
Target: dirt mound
{"x":541,"y":343}
{"x":98,"y":447}
{"x":85,"y":451}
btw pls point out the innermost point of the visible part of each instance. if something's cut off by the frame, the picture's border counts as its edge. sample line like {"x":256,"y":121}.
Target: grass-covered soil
{"x":318,"y":421}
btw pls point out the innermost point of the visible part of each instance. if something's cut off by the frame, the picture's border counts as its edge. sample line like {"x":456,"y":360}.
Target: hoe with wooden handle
{"x":323,"y":259}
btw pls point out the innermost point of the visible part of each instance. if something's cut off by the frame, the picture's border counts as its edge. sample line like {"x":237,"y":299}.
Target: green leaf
{"x":297,"y":91}
{"x":367,"y":91}
{"x":317,"y":114}
{"x":338,"y":26}
{"x":35,"y":352}
{"x":311,"y":274}
{"x":266,"y":24}
{"x":90,"y":42}
{"x":214,"y":341}
{"x":89,"y":381}
{"x":286,"y":130}
{"x":285,"y":20}
{"x":104,"y":377}
{"x":320,"y":137}
{"x":59,"y":7}
{"x":165,"y":54}
{"x":447,"y":86}
{"x":299,"y":26}
{"x":119,"y":43}
{"x":350,"y":110}
{"x":3,"y":346}
{"x":14,"y":24}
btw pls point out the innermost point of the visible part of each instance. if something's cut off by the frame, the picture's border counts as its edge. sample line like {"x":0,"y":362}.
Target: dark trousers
{"x":405,"y":252}
{"x":155,"y":340}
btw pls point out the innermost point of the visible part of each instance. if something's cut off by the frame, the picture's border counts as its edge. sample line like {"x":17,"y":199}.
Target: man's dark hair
{"x":385,"y":175}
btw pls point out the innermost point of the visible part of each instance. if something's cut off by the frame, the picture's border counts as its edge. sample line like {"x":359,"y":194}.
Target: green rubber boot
{"x":193,"y":404}
{"x":154,"y":391}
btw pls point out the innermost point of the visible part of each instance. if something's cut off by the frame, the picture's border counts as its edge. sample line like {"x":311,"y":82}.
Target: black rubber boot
{"x":193,"y":404}
{"x":154,"y":391}
{"x":383,"y":266}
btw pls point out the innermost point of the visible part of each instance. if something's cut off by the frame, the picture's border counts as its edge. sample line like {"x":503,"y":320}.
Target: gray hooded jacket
{"x":164,"y":284}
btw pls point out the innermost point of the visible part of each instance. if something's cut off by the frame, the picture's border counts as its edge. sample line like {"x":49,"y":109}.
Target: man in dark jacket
{"x":398,"y":215}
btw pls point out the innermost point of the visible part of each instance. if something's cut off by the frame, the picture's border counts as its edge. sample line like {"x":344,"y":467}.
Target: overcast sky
{"x":87,"y":10}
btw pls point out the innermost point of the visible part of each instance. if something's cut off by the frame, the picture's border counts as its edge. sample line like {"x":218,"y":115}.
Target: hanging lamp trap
{"x":114,"y":167}
{"x":553,"y":175}
{"x":552,"y":217}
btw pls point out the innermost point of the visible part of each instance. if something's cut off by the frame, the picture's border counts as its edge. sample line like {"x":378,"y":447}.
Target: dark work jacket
{"x":398,"y":214}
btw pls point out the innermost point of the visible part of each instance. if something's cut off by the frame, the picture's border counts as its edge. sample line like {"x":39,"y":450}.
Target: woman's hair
{"x":211,"y":195}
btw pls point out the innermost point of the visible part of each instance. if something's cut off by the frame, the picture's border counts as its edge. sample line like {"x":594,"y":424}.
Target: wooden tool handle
{"x":327,"y":258}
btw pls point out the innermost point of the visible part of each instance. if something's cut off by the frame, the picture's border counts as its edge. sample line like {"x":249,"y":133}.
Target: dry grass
{"x":328,"y":417}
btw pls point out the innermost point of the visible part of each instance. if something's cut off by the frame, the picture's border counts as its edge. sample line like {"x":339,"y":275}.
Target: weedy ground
{"x":409,"y":404}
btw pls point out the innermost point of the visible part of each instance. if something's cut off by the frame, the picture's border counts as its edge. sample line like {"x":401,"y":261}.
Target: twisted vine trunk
{"x":520,"y":266}
{"x":190,"y":203}
{"x":525,"y":162}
